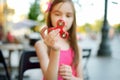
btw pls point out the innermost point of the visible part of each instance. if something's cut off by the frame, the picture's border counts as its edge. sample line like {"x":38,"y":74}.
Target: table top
{"x":11,"y":46}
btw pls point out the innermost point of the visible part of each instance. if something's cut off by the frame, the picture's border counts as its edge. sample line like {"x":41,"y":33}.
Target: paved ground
{"x":105,"y":68}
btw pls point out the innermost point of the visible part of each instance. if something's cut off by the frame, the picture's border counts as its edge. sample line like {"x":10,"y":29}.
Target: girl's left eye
{"x":69,"y":15}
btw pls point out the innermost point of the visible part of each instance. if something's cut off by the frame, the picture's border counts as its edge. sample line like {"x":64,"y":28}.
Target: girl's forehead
{"x":63,"y":6}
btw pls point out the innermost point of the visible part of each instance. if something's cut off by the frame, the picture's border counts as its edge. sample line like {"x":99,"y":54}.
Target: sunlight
{"x":89,"y":11}
{"x":113,"y":12}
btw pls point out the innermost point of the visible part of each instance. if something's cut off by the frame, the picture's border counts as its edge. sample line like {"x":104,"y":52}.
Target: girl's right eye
{"x":57,"y":14}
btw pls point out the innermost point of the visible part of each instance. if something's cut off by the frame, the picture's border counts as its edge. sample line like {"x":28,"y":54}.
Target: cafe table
{"x":10,"y":47}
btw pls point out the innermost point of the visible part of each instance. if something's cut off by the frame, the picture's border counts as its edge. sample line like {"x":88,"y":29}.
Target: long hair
{"x":71,"y":31}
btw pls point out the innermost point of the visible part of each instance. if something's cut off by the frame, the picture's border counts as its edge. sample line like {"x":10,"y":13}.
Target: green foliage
{"x":98,"y":25}
{"x":118,"y":27}
{"x":81,"y":29}
{"x":34,"y":10}
{"x":87,"y":27}
{"x":34,"y":14}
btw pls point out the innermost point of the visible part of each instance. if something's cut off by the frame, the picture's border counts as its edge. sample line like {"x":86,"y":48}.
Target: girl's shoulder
{"x":41,"y":45}
{"x":38,"y":43}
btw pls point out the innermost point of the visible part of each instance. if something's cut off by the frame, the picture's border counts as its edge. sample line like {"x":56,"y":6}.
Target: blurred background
{"x":98,"y":29}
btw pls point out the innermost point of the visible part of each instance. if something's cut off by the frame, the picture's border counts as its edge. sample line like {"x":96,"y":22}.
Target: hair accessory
{"x":48,"y":6}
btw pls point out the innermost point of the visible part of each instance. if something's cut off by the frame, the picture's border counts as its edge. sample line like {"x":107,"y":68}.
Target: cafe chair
{"x":5,"y":76}
{"x":86,"y":57}
{"x":28,"y":61}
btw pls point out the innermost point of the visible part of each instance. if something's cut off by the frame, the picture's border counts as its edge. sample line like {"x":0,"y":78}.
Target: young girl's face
{"x":63,"y":11}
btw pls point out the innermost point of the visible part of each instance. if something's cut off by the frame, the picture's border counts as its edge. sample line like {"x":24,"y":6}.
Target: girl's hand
{"x":51,"y":38}
{"x":66,"y":72}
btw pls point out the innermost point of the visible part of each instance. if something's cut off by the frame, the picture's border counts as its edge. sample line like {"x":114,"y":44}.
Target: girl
{"x":60,"y":58}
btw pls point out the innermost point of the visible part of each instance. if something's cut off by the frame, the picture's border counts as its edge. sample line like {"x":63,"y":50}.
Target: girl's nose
{"x":64,"y":19}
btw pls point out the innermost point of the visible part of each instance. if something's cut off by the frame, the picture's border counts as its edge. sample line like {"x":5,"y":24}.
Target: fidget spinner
{"x":60,"y":25}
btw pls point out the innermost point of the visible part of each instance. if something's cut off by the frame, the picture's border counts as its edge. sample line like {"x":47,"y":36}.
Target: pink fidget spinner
{"x":60,"y":24}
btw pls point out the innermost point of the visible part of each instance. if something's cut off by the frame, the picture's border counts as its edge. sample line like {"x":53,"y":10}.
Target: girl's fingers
{"x":65,"y":70}
{"x":67,"y":67}
{"x":50,"y":38}
{"x":54,"y":33}
{"x":66,"y":77}
{"x":57,"y":37}
{"x":42,"y":32}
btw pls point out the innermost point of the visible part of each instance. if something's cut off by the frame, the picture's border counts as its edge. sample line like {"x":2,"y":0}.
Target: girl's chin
{"x":66,"y":29}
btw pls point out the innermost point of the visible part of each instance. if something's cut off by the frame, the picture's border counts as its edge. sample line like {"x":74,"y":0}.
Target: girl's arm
{"x":49,"y":64}
{"x":52,"y":70}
